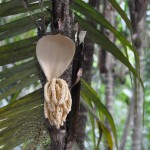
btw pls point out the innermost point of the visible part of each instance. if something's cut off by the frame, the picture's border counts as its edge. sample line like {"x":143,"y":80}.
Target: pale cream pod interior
{"x":54,"y":53}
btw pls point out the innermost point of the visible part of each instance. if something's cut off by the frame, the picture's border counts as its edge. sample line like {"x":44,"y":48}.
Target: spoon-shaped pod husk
{"x":54,"y":53}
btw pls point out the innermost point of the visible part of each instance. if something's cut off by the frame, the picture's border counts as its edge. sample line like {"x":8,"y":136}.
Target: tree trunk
{"x":106,"y":60}
{"x":87,"y":76}
{"x":137,"y":13}
{"x":63,"y":138}
{"x":139,"y":100}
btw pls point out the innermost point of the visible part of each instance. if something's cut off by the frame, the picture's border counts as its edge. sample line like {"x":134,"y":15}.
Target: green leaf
{"x":7,"y":73}
{"x":104,"y":129}
{"x":90,"y":12}
{"x":21,"y":129}
{"x":88,"y":93}
{"x":16,"y":31}
{"x":20,"y":120}
{"x":5,"y":6}
{"x":21,"y":104}
{"x":121,"y":13}
{"x":13,"y":80}
{"x":19,"y":7}
{"x":17,"y":77}
{"x":21,"y":23}
{"x":19,"y":86}
{"x":15,"y":96}
{"x":94,"y":15}
{"x":17,"y":55}
{"x":91,"y":120}
{"x":97,"y":37}
{"x":21,"y":115}
{"x":12,"y":123}
{"x":93,"y":130}
{"x":17,"y":45}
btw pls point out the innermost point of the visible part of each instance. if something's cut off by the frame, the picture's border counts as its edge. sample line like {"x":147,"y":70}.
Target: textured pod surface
{"x":57,"y":102}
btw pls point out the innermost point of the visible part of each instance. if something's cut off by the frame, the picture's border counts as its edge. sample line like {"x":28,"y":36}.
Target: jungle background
{"x":115,"y":97}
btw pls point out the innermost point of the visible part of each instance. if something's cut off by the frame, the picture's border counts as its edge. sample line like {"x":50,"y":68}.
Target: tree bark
{"x":137,"y":13}
{"x":63,"y":138}
{"x":87,"y":76}
{"x":139,"y":100}
{"x":106,"y":60}
{"x":110,"y":16}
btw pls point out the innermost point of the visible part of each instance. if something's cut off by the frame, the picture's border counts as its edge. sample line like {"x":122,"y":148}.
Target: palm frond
{"x":20,"y":120}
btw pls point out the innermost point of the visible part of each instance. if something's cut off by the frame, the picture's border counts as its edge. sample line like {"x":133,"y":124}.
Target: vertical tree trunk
{"x":63,"y":138}
{"x":110,"y":16}
{"x":87,"y":75}
{"x":139,"y":99}
{"x":58,"y":136}
{"x":106,"y":60}
{"x":137,"y":13}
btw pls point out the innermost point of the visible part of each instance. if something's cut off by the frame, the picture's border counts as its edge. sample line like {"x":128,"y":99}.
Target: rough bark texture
{"x":63,"y":138}
{"x":87,"y":75}
{"x":137,"y":12}
{"x":75,"y":92}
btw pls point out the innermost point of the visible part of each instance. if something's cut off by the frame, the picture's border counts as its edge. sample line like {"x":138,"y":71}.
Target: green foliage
{"x":121,"y":13}
{"x":22,"y":119}
{"x":90,"y":95}
{"x":16,"y":7}
{"x":97,"y":37}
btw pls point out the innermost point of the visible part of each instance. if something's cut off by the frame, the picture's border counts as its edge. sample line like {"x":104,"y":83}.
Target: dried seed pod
{"x":57,"y":102}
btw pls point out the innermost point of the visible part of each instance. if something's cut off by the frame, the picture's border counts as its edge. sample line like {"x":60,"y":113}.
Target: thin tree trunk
{"x":87,"y":75}
{"x":137,"y":13}
{"x":106,"y":60}
{"x":139,"y":100}
{"x":138,"y":104}
{"x":109,"y":13}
